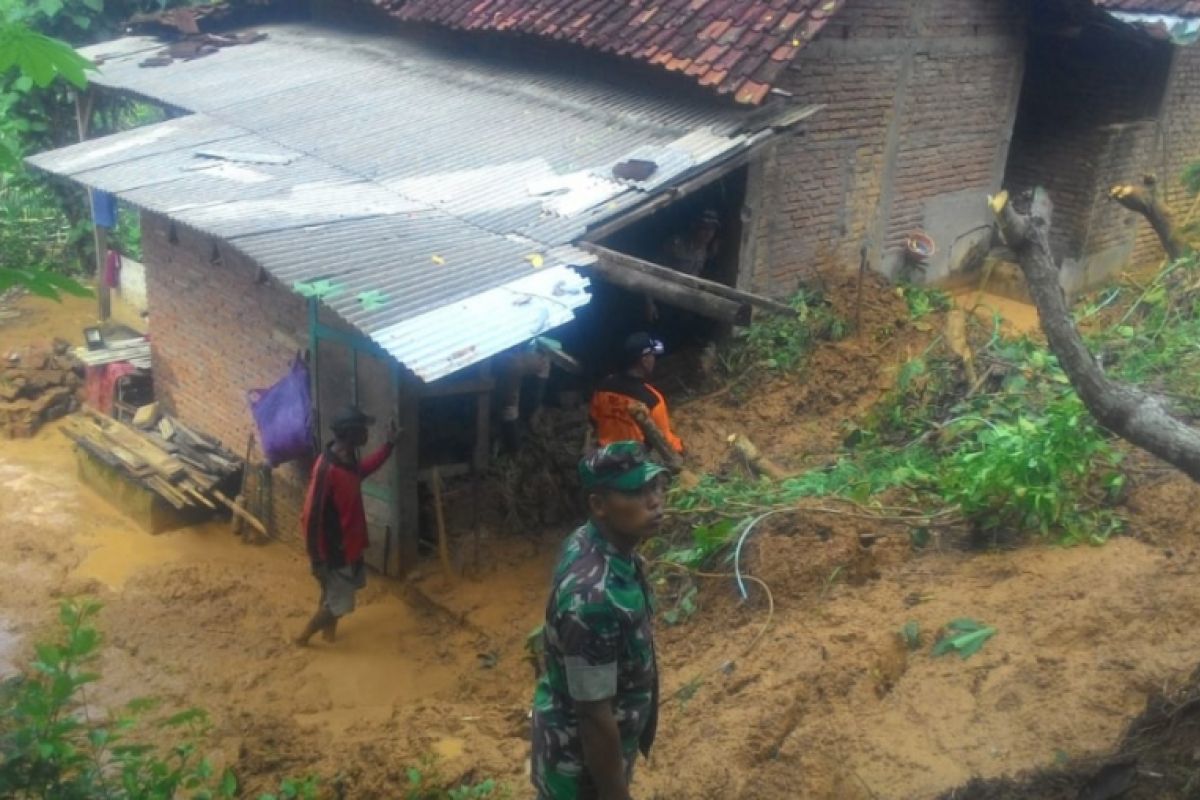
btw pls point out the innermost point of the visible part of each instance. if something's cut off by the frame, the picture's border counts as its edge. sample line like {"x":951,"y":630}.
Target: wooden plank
{"x":404,"y":476}
{"x":249,"y":518}
{"x":629,"y":262}
{"x":480,"y":385}
{"x":703,"y":303}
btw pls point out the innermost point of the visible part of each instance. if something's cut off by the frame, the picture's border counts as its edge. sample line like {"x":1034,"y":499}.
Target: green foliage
{"x":924,"y":300}
{"x":779,"y":343}
{"x":1191,"y":178}
{"x":37,"y":59}
{"x":911,"y":634}
{"x":964,"y":636}
{"x":54,"y":746}
{"x":426,"y":782}
{"x":1034,"y":472}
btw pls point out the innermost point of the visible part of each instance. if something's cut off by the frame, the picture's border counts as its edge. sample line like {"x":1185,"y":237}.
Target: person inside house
{"x":596,"y":704}
{"x":692,"y":253}
{"x":515,"y":367}
{"x":612,"y":410}
{"x":334,"y":522}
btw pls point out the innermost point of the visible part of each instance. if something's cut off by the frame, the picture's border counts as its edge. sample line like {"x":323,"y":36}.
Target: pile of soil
{"x":1158,"y":759}
{"x":38,"y":384}
{"x":797,"y":420}
{"x":813,"y":696}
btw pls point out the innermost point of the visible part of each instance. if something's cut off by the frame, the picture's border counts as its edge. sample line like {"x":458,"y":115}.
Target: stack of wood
{"x":179,"y":464}
{"x":38,"y":384}
{"x":136,"y":351}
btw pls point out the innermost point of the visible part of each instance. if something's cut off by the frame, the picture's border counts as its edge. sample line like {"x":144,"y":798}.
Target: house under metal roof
{"x":429,"y":196}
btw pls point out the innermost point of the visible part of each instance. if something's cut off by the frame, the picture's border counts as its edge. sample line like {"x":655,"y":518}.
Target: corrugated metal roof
{"x":1171,"y":28}
{"x":412,"y":175}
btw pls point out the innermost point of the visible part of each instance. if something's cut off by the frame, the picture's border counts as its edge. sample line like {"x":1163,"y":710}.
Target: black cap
{"x":641,"y":344}
{"x":349,"y":418}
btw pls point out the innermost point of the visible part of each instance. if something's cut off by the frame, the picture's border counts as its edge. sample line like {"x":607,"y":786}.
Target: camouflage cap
{"x":621,"y":465}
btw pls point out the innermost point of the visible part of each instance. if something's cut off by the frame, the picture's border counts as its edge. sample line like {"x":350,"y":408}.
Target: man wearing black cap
{"x":334,"y":521}
{"x":596,"y":704}
{"x":611,"y":411}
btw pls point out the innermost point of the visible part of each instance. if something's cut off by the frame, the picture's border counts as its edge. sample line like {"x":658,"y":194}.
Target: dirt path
{"x":828,"y":705}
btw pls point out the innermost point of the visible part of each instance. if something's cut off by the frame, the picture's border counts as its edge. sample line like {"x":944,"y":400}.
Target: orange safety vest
{"x":612,"y":419}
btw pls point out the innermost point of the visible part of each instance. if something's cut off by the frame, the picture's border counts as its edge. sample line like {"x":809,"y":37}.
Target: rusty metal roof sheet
{"x":437,"y":193}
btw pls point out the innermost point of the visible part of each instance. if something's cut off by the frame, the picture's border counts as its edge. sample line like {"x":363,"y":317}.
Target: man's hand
{"x":602,"y":749}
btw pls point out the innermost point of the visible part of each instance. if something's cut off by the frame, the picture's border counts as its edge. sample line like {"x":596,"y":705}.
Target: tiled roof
{"x":738,"y":47}
{"x":1183,"y":8}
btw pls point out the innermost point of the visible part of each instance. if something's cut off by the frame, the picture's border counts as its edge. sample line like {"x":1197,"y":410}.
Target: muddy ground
{"x":828,"y":705}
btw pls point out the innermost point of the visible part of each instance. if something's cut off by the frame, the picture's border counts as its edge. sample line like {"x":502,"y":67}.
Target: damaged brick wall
{"x":1178,"y":142}
{"x":920,"y":98}
{"x":217,"y":331}
{"x":1088,"y":119}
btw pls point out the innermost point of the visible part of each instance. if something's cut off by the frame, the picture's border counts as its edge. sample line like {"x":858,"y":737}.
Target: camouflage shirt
{"x":598,"y":645}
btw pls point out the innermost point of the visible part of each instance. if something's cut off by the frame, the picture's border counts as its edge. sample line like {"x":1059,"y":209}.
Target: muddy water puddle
{"x":1019,"y":317}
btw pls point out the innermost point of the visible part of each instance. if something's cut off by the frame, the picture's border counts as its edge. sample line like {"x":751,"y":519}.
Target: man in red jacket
{"x":334,"y":522}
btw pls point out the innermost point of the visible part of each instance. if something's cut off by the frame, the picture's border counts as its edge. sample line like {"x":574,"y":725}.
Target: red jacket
{"x":334,"y":521}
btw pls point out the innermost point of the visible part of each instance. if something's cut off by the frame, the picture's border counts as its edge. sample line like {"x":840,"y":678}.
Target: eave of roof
{"x":429,"y":197}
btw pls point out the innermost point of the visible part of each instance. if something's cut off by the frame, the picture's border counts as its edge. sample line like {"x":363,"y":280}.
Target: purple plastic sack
{"x":283,"y":416}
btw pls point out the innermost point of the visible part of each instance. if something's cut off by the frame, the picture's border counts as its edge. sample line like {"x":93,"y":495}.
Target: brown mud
{"x":830,"y":704}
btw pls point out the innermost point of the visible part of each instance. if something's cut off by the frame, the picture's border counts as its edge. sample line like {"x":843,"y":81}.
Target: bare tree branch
{"x":1144,"y":200}
{"x":1127,"y":411}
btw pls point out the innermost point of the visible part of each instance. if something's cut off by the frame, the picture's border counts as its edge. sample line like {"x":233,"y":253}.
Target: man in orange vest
{"x":611,"y":411}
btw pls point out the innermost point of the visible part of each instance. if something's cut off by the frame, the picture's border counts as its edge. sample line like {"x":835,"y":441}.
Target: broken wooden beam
{"x":698,"y":302}
{"x":626,"y":261}
{"x":249,"y":518}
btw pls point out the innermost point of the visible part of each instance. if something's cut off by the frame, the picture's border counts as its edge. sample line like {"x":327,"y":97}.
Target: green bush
{"x":426,"y":782}
{"x":1036,"y":472}
{"x":54,"y":746}
{"x":779,"y":343}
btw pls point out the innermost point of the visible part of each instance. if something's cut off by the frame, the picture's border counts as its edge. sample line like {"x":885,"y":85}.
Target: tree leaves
{"x":40,"y":58}
{"x":43,"y":283}
{"x":965,"y":635}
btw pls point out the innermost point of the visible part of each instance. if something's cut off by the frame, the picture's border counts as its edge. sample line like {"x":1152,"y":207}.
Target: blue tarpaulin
{"x":104,"y":209}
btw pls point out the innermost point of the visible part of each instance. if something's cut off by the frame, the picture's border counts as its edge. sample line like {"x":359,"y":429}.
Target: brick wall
{"x":1087,"y":120}
{"x":920,"y":98}
{"x":217,"y":331}
{"x":1178,"y":139}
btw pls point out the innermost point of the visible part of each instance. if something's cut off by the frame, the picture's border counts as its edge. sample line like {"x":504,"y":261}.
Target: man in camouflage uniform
{"x":596,"y":705}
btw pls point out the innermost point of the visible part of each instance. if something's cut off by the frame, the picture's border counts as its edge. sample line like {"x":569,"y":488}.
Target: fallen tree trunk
{"x":656,"y":440}
{"x":758,"y":463}
{"x":1127,"y":411}
{"x":645,"y":267}
{"x":698,"y":301}
{"x":1144,"y":200}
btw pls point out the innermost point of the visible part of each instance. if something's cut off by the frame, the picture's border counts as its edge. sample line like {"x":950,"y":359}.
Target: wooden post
{"x":439,"y":513}
{"x":314,"y":366}
{"x":483,"y":423}
{"x":404,"y":475}
{"x":84,"y":104}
